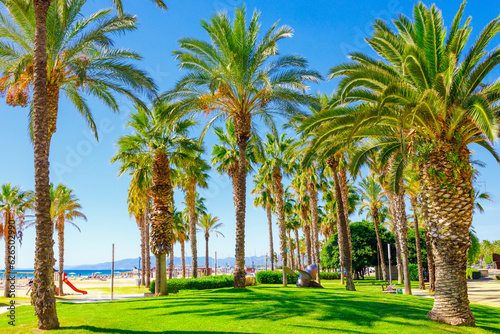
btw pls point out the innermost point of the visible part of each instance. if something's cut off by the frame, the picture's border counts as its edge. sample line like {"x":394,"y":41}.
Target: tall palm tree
{"x":37,"y":22}
{"x":182,"y":234}
{"x":276,"y":158}
{"x":165,"y":144}
{"x":65,"y":208}
{"x":437,"y":96}
{"x":240,"y":77}
{"x":194,"y":174}
{"x":263,"y":190}
{"x":373,"y":199}
{"x":14,"y":203}
{"x":209,"y":224}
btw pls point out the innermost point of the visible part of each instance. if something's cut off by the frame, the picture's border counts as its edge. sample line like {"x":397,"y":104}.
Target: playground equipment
{"x":68,"y":283}
{"x":305,"y":278}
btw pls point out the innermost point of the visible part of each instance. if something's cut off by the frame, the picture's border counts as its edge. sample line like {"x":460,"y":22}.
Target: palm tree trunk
{"x":428,"y":244}
{"x":240,"y":208}
{"x":43,"y":295}
{"x":161,"y":218}
{"x":402,"y":229}
{"x":343,"y":241}
{"x":270,"y":223}
{"x":345,"y":198}
{"x":307,"y":237}
{"x":375,"y":217}
{"x":314,"y":223}
{"x":146,"y":244}
{"x":299,"y":261}
{"x":414,"y":204}
{"x":171,"y":266}
{"x":207,"y":264}
{"x":183,"y":259}
{"x":60,"y":238}
{"x":290,"y":249}
{"x":447,"y":184}
{"x":278,"y":193}
{"x":142,"y":224}
{"x":191,"y":204}
{"x":390,"y":195}
{"x":7,"y":234}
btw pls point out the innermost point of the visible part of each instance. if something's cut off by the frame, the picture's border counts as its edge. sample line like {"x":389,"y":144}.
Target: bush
{"x":470,"y":271}
{"x":199,"y":283}
{"x":413,"y":271}
{"x":329,"y":276}
{"x":488,"y":259}
{"x":274,"y":277}
{"x":497,"y":277}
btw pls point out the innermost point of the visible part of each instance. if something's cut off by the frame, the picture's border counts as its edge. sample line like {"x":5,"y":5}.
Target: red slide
{"x":65,"y":280}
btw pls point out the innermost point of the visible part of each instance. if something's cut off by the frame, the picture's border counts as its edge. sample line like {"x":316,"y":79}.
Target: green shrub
{"x":470,"y":271}
{"x":274,"y":277}
{"x":497,"y":277}
{"x":488,"y":259}
{"x":199,"y":283}
{"x":413,"y":271}
{"x":329,"y":276}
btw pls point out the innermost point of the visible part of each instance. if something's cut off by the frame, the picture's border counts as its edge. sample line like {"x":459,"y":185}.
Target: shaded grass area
{"x":259,"y":309}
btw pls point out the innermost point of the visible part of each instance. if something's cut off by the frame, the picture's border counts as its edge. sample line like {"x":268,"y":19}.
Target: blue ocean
{"x":71,"y":273}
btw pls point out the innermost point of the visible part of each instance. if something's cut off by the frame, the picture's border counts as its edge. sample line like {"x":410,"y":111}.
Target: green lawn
{"x":259,"y":309}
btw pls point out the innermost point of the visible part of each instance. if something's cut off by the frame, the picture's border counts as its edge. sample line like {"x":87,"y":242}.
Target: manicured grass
{"x":259,"y":309}
{"x":121,"y":290}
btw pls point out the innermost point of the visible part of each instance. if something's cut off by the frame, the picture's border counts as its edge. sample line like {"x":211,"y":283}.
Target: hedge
{"x":498,"y":277}
{"x":470,"y":271}
{"x":274,"y":277}
{"x":329,"y":276}
{"x":199,"y":283}
{"x":413,"y":271}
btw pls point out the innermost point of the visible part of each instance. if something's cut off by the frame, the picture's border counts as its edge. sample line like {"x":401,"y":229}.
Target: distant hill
{"x":127,"y":264}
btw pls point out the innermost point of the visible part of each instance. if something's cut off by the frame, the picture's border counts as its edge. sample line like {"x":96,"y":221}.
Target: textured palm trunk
{"x":430,"y":262}
{"x":142,"y":229}
{"x":307,"y":238}
{"x":390,"y":195}
{"x":191,"y":204}
{"x":43,"y":295}
{"x":299,"y":261}
{"x":240,"y":208}
{"x":375,"y":216}
{"x":414,"y":204}
{"x":446,"y":178}
{"x":315,"y":226}
{"x":146,"y":244}
{"x":280,"y":209}
{"x":402,"y":230}
{"x":343,"y":226}
{"x":270,"y":223}
{"x":161,"y":218}
{"x":7,"y":233}
{"x":290,"y":249}
{"x":183,"y":259}
{"x":171,"y":266}
{"x":206,"y":255}
{"x":345,"y":197}
{"x":60,"y":239}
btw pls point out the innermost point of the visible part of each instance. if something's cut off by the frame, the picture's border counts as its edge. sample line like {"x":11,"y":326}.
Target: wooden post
{"x":112,"y":269}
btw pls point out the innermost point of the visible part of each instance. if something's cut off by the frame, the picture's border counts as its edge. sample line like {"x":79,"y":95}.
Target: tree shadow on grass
{"x":321,"y":306}
{"x":95,"y":329}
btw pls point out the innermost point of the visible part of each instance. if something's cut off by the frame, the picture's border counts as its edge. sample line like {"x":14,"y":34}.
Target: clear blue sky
{"x":325,"y":32}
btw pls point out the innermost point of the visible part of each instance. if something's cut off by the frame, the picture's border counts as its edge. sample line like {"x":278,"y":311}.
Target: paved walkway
{"x":484,"y":291}
{"x":4,"y":309}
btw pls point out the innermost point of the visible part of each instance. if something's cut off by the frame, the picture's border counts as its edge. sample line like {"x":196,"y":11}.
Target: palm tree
{"x":194,"y":174}
{"x":64,"y":209}
{"x":238,"y":77}
{"x":165,"y":144}
{"x":14,"y":203}
{"x":209,"y":224}
{"x":264,"y":198}
{"x":36,"y":21}
{"x":438,"y":97}
{"x":276,"y":159}
{"x":373,"y":199}
{"x":181,"y":229}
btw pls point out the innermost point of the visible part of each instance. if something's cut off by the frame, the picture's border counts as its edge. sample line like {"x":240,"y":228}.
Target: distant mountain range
{"x":127,"y":264}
